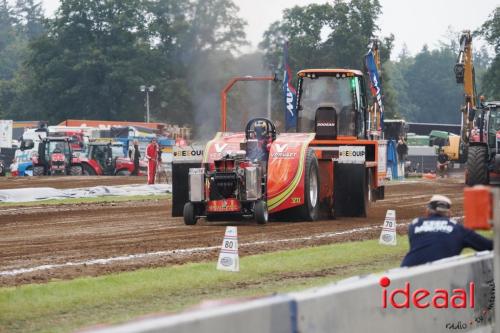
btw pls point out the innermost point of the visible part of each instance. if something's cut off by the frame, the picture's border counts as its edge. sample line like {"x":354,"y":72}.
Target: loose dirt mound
{"x":38,"y":236}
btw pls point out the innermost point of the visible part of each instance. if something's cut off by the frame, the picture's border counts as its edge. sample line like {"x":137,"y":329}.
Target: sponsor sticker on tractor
{"x":351,"y":154}
{"x":226,"y":205}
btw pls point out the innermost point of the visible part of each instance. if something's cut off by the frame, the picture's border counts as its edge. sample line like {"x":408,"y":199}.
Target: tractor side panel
{"x":95,"y":166}
{"x":222,"y":144}
{"x":124,"y":164}
{"x":285,"y":171}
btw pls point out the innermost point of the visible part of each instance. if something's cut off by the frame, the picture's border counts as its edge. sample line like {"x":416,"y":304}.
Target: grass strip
{"x":64,"y":306}
{"x":72,"y":201}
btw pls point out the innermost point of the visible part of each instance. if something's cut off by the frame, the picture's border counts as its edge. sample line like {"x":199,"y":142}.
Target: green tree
{"x":329,"y":35}
{"x":195,"y":54}
{"x":490,"y":30}
{"x":30,"y":18}
{"x":428,"y":87}
{"x":91,"y":62}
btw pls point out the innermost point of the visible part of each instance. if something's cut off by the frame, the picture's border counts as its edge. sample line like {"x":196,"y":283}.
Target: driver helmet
{"x":260,"y":129}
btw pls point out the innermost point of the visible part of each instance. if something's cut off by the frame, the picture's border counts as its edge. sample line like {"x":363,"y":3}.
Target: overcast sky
{"x":413,"y":22}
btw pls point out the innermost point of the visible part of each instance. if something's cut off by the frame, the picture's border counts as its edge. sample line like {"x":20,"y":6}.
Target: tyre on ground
{"x":309,"y":211}
{"x":88,"y":170}
{"x":477,"y":166}
{"x":261,"y":214}
{"x":76,"y":170}
{"x":350,"y":190}
{"x":189,"y":214}
{"x":123,"y":173}
{"x":38,"y":171}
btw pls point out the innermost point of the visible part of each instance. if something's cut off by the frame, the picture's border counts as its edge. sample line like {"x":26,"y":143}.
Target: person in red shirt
{"x":152,"y":157}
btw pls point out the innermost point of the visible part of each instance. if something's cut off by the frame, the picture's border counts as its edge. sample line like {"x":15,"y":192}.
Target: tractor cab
{"x":102,"y":153}
{"x":331,"y":103}
{"x":55,"y":154}
{"x":494,"y":126}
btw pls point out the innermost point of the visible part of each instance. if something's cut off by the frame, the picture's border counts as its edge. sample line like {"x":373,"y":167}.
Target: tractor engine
{"x":230,"y":184}
{"x":57,"y":163}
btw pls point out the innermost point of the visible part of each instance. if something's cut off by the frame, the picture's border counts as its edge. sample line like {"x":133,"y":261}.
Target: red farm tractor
{"x":332,"y":166}
{"x":55,"y":157}
{"x":108,"y":159}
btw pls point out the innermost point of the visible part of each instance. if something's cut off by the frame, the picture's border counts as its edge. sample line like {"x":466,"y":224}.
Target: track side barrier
{"x":356,"y":305}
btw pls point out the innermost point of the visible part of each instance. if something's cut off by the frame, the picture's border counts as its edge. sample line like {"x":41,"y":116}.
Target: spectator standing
{"x":135,"y":154}
{"x":402,"y":151}
{"x":152,"y":157}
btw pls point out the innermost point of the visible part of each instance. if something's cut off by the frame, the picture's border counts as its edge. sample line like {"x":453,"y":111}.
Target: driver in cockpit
{"x":258,"y":148}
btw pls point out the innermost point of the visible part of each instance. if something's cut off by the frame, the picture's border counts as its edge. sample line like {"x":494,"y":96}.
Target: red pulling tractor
{"x":332,"y":166}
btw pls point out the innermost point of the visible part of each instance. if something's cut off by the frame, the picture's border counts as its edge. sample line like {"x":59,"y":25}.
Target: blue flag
{"x":289,"y":93}
{"x":375,"y":87}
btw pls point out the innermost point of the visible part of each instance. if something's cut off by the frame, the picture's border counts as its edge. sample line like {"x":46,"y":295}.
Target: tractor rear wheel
{"x":350,"y":190}
{"x":189,"y":214}
{"x":309,"y":211}
{"x":88,"y":170}
{"x":38,"y":171}
{"x":260,"y":212}
{"x":123,"y":173}
{"x":477,"y":166}
{"x":76,"y":170}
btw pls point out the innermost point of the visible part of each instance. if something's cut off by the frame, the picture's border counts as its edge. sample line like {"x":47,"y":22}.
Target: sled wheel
{"x":260,"y":212}
{"x":309,"y":211}
{"x":189,"y":214}
{"x":350,"y":190}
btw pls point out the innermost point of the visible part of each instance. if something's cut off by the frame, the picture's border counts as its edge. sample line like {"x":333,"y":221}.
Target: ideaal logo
{"x":421,"y":298}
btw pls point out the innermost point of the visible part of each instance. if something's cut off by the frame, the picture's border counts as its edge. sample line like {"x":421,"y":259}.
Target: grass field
{"x":64,"y":306}
{"x":72,"y":201}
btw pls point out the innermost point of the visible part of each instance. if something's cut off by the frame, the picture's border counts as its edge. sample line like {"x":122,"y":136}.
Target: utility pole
{"x":269,"y":88}
{"x":147,"y":90}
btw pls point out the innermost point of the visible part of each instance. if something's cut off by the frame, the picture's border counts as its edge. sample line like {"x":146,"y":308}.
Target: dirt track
{"x":67,"y":182}
{"x":38,"y":236}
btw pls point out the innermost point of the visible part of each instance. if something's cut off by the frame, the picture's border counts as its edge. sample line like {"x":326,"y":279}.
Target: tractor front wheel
{"x":309,"y":211}
{"x":189,"y":214}
{"x":38,"y":171}
{"x":75,"y":170}
{"x":260,"y":212}
{"x":477,"y":166}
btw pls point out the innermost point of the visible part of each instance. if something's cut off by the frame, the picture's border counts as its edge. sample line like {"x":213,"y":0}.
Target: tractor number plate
{"x":221,"y":206}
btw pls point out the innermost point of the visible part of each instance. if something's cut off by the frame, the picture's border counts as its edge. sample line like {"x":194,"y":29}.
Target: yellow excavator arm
{"x":464,"y":74}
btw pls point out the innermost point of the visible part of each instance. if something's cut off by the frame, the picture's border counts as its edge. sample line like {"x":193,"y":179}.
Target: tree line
{"x":89,"y":60}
